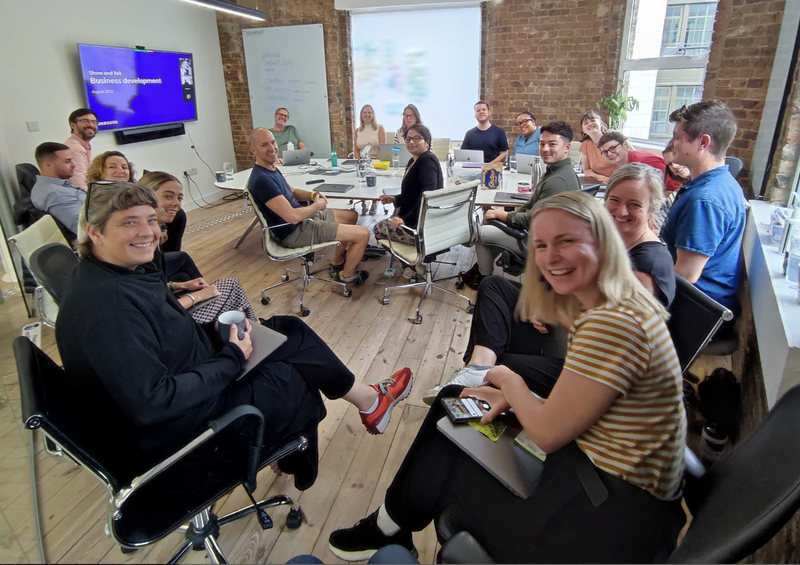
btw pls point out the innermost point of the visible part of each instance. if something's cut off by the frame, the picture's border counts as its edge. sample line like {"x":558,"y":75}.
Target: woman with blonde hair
{"x":111,"y":166}
{"x":371,"y":133}
{"x":594,"y":164}
{"x":613,"y":428}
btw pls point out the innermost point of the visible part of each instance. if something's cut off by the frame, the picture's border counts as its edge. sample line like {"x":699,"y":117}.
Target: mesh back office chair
{"x":39,"y":234}
{"x":52,"y":265}
{"x":737,"y":507}
{"x":307,"y":256}
{"x":146,"y":503}
{"x":446,"y":219}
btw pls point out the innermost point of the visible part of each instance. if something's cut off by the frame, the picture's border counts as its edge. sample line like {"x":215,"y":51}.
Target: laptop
{"x":330,"y":187}
{"x":525,"y":164}
{"x":468,"y":156}
{"x":512,"y":198}
{"x":392,"y":191}
{"x":265,"y":342}
{"x":297,"y":157}
{"x":385,"y":152}
{"x":518,"y":470}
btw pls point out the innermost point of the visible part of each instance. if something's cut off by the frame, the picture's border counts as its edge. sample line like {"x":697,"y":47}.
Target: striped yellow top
{"x":641,"y":437}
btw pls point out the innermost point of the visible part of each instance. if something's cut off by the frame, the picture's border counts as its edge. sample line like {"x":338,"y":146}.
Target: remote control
{"x":317,"y":181}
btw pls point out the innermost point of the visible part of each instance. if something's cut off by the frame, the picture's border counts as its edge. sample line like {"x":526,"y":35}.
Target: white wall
{"x":42,"y":77}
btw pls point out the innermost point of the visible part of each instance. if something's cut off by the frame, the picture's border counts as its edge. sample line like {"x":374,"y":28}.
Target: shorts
{"x":323,"y":228}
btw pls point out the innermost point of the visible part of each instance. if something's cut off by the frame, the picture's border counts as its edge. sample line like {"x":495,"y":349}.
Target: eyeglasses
{"x":283,"y":116}
{"x":408,"y":115}
{"x":85,"y":121}
{"x":415,"y":139}
{"x":612,"y":149}
{"x":523,"y":122}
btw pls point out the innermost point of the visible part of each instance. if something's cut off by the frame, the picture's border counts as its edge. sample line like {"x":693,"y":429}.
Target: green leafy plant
{"x":617,"y":106}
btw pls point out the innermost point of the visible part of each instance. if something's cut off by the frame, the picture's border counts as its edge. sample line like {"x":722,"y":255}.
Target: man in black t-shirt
{"x":280,"y":206}
{"x":486,"y":137}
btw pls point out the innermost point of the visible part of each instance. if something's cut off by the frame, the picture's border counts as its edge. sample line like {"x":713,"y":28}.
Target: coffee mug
{"x":371,"y":179}
{"x":221,"y":176}
{"x":228,"y":319}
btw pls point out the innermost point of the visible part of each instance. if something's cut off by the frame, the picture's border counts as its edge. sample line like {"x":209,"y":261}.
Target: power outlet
{"x":190,"y":172}
{"x":32,"y":126}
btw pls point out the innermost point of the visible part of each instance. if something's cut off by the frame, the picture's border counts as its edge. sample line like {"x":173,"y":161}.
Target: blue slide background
{"x":121,"y":106}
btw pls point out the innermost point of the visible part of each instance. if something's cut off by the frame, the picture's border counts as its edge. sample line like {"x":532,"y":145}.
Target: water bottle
{"x":395,"y":157}
{"x":537,"y":171}
{"x":362,"y":171}
{"x":713,"y":444}
{"x":334,"y":157}
{"x":290,"y":146}
{"x":512,"y":163}
{"x":793,"y":267}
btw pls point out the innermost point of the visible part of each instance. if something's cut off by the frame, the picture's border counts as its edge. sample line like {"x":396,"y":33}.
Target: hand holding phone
{"x":462,"y":410}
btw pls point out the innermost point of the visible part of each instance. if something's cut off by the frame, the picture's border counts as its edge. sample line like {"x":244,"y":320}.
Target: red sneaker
{"x":390,"y":392}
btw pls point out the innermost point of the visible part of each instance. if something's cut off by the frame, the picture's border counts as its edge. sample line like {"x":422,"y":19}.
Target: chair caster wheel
{"x":384,"y":301}
{"x":459,"y":284}
{"x":128,"y":550}
{"x":265,"y":300}
{"x":471,"y":309}
{"x":347,"y":293}
{"x":304,"y":312}
{"x":284,"y":278}
{"x":417,"y":320}
{"x":294,"y":519}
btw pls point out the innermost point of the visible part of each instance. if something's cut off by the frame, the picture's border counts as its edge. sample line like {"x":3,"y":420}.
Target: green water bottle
{"x":334,"y":157}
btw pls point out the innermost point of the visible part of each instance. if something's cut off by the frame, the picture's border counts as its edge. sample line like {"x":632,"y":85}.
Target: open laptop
{"x":525,"y":164}
{"x":518,"y":470}
{"x":468,"y":156}
{"x":385,"y":152}
{"x":265,"y":342}
{"x":297,"y":157}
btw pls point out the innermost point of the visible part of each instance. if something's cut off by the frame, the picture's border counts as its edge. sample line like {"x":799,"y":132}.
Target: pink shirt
{"x":597,"y":162}
{"x":81,"y":156}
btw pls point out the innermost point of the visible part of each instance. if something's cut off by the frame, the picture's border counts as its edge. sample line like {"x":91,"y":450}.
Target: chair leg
{"x":214,"y":551}
{"x":280,"y":500}
{"x":181,"y":553}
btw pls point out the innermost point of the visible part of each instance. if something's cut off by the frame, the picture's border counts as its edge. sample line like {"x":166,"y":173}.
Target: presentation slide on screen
{"x":131,"y":88}
{"x":436,"y":68}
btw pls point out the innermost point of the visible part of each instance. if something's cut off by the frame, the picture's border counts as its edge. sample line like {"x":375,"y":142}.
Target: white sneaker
{"x":469,"y":377}
{"x":374,"y":208}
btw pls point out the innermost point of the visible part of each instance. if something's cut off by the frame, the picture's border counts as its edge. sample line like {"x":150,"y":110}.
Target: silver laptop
{"x":525,"y":164}
{"x":265,"y":342}
{"x":468,"y":156}
{"x":517,"y":469}
{"x":385,"y":152}
{"x":297,"y":157}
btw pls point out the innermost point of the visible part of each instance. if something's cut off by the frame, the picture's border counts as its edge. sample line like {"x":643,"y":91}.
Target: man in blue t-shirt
{"x":279,"y":203}
{"x":706,"y":222}
{"x":486,"y":137}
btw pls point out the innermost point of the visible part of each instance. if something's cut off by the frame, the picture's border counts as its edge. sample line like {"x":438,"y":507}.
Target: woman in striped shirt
{"x":613,"y":426}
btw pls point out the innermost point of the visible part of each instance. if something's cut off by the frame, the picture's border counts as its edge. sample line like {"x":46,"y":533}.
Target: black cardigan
{"x":175,"y":231}
{"x":133,"y":353}
{"x":421,"y":176}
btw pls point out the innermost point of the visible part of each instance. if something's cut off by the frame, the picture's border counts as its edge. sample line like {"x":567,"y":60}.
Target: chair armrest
{"x":508,"y":230}
{"x":463,"y":548}
{"x":214,"y":427}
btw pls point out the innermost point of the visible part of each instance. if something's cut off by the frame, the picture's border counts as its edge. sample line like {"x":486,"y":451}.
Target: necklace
{"x":632,"y":245}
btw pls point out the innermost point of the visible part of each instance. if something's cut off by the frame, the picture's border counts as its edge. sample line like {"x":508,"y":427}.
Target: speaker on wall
{"x":126,"y":136}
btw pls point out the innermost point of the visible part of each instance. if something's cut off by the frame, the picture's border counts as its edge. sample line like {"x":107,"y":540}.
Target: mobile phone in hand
{"x":462,"y":410}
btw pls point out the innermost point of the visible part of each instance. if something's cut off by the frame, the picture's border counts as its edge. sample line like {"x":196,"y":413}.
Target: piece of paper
{"x":492,"y":430}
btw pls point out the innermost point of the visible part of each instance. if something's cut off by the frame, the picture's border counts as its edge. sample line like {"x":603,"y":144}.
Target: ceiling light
{"x":231,"y":8}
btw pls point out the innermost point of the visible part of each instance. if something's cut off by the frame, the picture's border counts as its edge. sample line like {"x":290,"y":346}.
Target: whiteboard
{"x":286,"y":68}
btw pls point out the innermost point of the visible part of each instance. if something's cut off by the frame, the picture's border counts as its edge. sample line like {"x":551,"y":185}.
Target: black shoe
{"x":473,"y":277}
{"x":360,"y":542}
{"x":359,"y":278}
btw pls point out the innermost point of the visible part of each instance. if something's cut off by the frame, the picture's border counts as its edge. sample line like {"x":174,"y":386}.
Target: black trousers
{"x":179,"y":267}
{"x":286,"y":388}
{"x":558,"y":523}
{"x":535,"y":356}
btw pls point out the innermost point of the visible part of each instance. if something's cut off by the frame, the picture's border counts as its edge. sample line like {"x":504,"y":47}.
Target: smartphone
{"x":462,"y":410}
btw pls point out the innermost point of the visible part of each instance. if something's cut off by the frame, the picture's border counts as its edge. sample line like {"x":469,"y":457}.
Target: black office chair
{"x":512,"y":261}
{"x":694,"y":319}
{"x":735,"y":166}
{"x":737,"y":506}
{"x":52,"y":265}
{"x":150,"y":500}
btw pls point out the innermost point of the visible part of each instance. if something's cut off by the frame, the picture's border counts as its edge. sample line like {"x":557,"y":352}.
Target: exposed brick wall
{"x":336,"y":31}
{"x":739,"y":66}
{"x":555,"y":59}
{"x":787,"y":155}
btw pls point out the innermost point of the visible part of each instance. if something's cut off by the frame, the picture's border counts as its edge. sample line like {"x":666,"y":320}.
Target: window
{"x":664,"y":61}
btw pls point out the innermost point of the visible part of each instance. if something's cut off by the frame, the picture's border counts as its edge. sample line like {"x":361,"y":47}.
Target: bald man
{"x":280,"y":204}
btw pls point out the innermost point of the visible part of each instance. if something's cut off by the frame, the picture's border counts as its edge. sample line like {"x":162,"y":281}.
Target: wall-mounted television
{"x":134,"y":88}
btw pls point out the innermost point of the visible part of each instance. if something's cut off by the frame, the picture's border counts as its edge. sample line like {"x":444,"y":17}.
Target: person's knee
{"x":491,"y":284}
{"x":362,"y":235}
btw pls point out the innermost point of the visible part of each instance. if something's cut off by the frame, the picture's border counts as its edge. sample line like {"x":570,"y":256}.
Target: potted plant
{"x":617,"y":106}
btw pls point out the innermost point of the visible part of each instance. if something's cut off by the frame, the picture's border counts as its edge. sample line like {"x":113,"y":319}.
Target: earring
{"x":544,"y":280}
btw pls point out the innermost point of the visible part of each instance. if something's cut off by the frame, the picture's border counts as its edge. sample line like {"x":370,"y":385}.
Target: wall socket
{"x":190,"y":172}
{"x":32,"y":126}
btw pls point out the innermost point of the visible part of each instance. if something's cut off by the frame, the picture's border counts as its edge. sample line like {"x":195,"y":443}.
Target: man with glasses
{"x":83,"y":128}
{"x":285,"y":133}
{"x":53,"y":192}
{"x":528,"y":141}
{"x":614,"y":146}
{"x":486,"y":137}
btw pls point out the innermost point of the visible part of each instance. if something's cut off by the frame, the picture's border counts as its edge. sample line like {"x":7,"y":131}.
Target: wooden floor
{"x":355,"y":467}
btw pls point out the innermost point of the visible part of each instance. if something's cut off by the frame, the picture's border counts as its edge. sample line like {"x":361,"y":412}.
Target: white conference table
{"x":298,"y":176}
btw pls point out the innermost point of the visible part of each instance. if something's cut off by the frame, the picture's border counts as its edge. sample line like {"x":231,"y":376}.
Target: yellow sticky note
{"x":492,"y":430}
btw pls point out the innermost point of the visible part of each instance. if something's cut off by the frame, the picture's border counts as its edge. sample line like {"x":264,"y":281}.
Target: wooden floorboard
{"x":372,"y":339}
